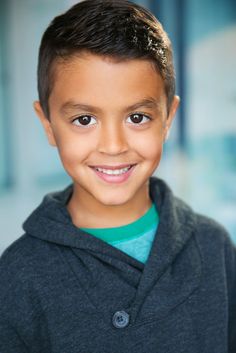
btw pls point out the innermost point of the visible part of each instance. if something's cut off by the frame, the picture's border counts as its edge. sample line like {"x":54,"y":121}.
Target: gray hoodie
{"x":65,"y":291}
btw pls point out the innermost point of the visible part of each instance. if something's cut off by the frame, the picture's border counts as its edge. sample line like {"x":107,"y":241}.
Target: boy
{"x":114,"y":263}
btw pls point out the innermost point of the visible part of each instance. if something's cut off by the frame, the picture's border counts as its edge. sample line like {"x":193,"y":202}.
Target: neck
{"x":90,"y":213}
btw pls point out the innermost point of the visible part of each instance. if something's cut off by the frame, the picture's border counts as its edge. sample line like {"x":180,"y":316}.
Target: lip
{"x":114,"y":179}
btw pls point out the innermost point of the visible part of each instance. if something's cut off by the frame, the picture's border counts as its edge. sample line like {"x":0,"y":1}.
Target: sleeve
{"x":230,"y":259}
{"x":10,"y":342}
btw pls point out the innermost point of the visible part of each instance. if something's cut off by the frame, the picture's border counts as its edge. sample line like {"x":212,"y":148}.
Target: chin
{"x":115,"y":200}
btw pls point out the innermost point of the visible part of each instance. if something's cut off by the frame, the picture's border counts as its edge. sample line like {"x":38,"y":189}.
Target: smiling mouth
{"x":114,"y":174}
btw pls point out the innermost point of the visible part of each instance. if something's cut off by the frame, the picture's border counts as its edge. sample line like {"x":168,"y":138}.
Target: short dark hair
{"x":119,"y":29}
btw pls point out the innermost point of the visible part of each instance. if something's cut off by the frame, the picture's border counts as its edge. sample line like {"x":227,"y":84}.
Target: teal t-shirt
{"x":135,"y":238}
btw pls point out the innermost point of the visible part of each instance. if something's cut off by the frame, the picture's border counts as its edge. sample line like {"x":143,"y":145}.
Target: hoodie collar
{"x":52,"y":222}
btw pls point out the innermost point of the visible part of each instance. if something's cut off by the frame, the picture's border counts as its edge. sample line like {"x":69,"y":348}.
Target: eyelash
{"x":131,"y":123}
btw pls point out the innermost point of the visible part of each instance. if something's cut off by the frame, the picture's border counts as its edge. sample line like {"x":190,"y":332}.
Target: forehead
{"x":105,"y":81}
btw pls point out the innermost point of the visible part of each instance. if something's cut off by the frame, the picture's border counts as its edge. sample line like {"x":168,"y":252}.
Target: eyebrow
{"x":146,"y":102}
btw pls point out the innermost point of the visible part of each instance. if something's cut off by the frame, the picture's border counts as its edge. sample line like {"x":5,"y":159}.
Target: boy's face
{"x":108,"y":120}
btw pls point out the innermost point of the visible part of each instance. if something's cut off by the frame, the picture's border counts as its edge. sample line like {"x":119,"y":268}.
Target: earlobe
{"x":45,"y":122}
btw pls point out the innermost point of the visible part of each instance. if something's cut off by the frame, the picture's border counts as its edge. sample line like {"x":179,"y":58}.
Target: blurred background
{"x":199,"y":160}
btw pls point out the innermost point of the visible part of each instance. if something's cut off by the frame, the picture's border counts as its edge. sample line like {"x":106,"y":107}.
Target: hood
{"x":51,"y":221}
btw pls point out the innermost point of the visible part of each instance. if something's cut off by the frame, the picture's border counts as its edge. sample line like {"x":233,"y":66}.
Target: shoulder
{"x":211,"y":236}
{"x":213,"y":240}
{"x":215,"y":246}
{"x":208,"y":232}
{"x":16,"y":254}
{"x":174,"y":209}
{"x":22,"y":266}
{"x":21,"y":252}
{"x":211,"y":232}
{"x":15,"y":273}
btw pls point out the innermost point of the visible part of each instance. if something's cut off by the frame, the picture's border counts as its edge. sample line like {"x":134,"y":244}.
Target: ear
{"x":171,"y":115}
{"x":45,"y":122}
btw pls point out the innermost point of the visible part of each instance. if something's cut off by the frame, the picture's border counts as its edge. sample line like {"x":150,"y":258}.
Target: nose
{"x":112,"y":139}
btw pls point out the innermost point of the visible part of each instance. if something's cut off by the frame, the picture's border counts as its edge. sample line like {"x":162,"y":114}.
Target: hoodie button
{"x":120,"y":319}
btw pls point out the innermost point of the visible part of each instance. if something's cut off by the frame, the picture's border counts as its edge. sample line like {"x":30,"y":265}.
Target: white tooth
{"x":113,"y":171}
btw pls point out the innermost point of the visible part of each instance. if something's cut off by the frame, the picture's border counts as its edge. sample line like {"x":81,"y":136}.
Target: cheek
{"x":150,"y":147}
{"x":72,"y":149}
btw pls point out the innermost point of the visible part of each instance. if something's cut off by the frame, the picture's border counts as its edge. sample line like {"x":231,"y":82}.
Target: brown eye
{"x":84,"y":120}
{"x":138,"y":118}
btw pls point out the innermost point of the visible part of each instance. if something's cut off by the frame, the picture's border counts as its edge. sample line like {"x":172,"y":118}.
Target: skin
{"x":112,"y":137}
